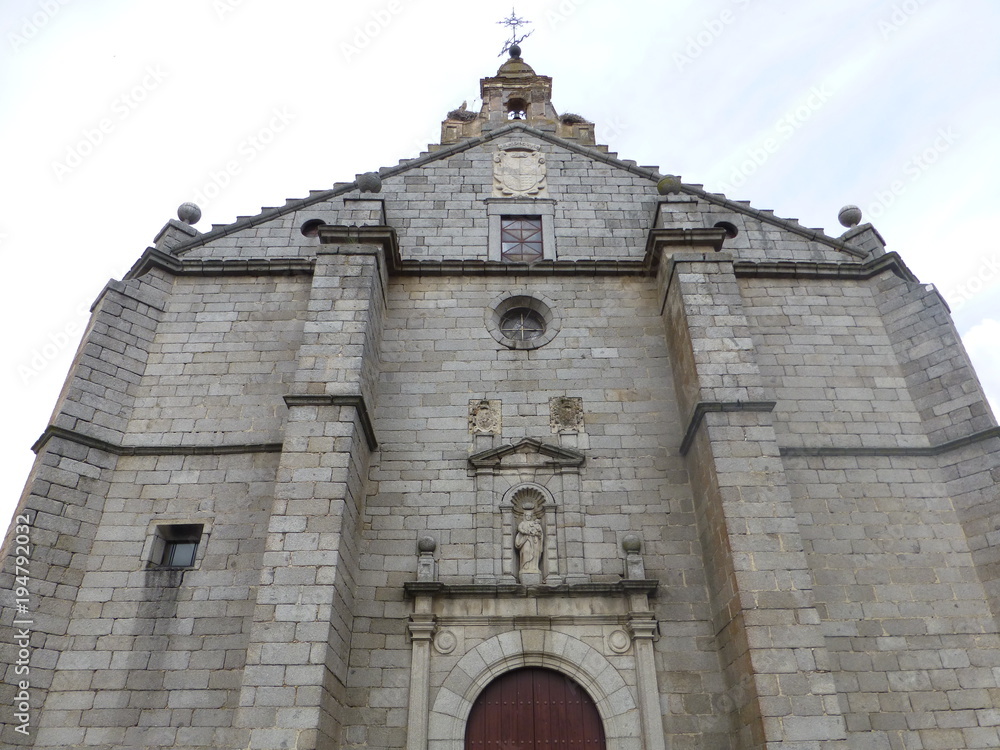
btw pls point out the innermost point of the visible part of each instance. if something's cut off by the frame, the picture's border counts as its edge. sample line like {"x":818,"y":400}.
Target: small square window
{"x":521,"y":238}
{"x":179,"y":554}
{"x":177,"y":545}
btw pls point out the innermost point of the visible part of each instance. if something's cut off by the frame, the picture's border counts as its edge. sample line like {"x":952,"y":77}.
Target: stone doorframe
{"x":534,"y":648}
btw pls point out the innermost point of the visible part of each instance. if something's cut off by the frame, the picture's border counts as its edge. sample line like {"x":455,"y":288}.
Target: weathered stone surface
{"x":789,"y":426}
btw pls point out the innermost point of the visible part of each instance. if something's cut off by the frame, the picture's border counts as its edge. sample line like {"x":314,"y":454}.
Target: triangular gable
{"x":536,"y":452}
{"x":598,"y":154}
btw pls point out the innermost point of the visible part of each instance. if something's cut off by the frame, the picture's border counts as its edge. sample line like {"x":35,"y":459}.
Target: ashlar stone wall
{"x":220,"y":362}
{"x":153,"y":657}
{"x":437,"y":356}
{"x":913,"y":643}
{"x":824,"y":349}
{"x":792,"y":432}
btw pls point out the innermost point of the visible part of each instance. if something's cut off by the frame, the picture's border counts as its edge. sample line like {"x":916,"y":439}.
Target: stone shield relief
{"x":519,"y":172}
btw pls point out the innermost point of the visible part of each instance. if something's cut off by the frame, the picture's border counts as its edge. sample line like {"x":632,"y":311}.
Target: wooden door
{"x":534,"y":709}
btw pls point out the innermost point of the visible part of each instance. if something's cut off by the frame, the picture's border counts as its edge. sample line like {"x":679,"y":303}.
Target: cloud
{"x":981,"y":343}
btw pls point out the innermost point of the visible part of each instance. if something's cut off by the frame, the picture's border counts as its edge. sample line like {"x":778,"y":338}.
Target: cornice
{"x":813,"y":269}
{"x":647,"y":586}
{"x":80,"y":438}
{"x":325,"y":399}
{"x":557,"y":456}
{"x":929,"y":450}
{"x":153,"y":258}
{"x":505,"y":268}
{"x":385,"y":237}
{"x":705,"y":407}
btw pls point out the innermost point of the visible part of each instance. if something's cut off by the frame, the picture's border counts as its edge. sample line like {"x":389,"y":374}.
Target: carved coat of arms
{"x":518,"y":171}
{"x":484,"y":417}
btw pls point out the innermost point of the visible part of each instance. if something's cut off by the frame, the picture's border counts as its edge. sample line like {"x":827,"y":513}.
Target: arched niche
{"x":524,"y":499}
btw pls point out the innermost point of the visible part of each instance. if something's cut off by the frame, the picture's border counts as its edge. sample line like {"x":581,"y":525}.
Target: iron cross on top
{"x":513,"y":22}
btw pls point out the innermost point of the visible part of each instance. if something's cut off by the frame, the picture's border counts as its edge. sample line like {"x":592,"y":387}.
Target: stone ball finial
{"x":189,"y":213}
{"x":669,"y":185}
{"x":849,"y":216}
{"x":369,"y":182}
{"x":426,"y":544}
{"x":631,"y":543}
{"x":515,"y":50}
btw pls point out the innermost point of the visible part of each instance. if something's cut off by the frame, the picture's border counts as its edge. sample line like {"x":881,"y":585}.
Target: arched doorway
{"x":534,"y":709}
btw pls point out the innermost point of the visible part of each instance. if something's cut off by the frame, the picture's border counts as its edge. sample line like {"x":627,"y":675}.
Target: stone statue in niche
{"x":529,"y":544}
{"x":529,"y":538}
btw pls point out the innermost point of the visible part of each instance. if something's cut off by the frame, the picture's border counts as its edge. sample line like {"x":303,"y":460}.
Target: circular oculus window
{"x":522,"y":322}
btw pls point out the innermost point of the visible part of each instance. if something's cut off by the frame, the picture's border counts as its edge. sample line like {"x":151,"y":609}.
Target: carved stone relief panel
{"x":484,"y":417}
{"x":566,"y":414}
{"x":519,"y":171}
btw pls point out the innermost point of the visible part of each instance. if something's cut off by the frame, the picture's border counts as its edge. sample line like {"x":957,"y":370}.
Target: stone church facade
{"x":335,"y":475}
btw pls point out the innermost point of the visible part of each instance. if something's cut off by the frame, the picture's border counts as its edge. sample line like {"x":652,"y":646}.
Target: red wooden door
{"x":534,"y":709}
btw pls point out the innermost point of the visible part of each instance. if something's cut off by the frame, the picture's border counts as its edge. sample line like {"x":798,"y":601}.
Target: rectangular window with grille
{"x":521,"y":238}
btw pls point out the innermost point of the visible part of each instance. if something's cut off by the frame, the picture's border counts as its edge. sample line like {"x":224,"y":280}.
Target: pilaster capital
{"x":642,"y":626}
{"x":344,"y":240}
{"x":422,"y":626}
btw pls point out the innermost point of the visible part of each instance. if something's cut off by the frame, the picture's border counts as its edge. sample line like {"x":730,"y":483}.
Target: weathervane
{"x":513,"y":22}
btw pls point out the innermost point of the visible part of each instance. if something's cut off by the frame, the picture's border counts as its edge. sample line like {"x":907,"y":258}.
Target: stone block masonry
{"x":317,"y":478}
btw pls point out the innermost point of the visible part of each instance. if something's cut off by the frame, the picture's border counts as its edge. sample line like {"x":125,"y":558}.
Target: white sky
{"x":892,"y":106}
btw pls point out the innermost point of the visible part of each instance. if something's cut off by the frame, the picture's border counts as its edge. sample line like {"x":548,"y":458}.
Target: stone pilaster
{"x":771,"y":644}
{"x":489,"y":531}
{"x":293,"y":691}
{"x":421,"y":626}
{"x":642,"y":627}
{"x":571,"y":527}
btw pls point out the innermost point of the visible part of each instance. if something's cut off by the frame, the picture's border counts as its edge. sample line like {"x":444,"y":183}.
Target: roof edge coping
{"x":593,"y":152}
